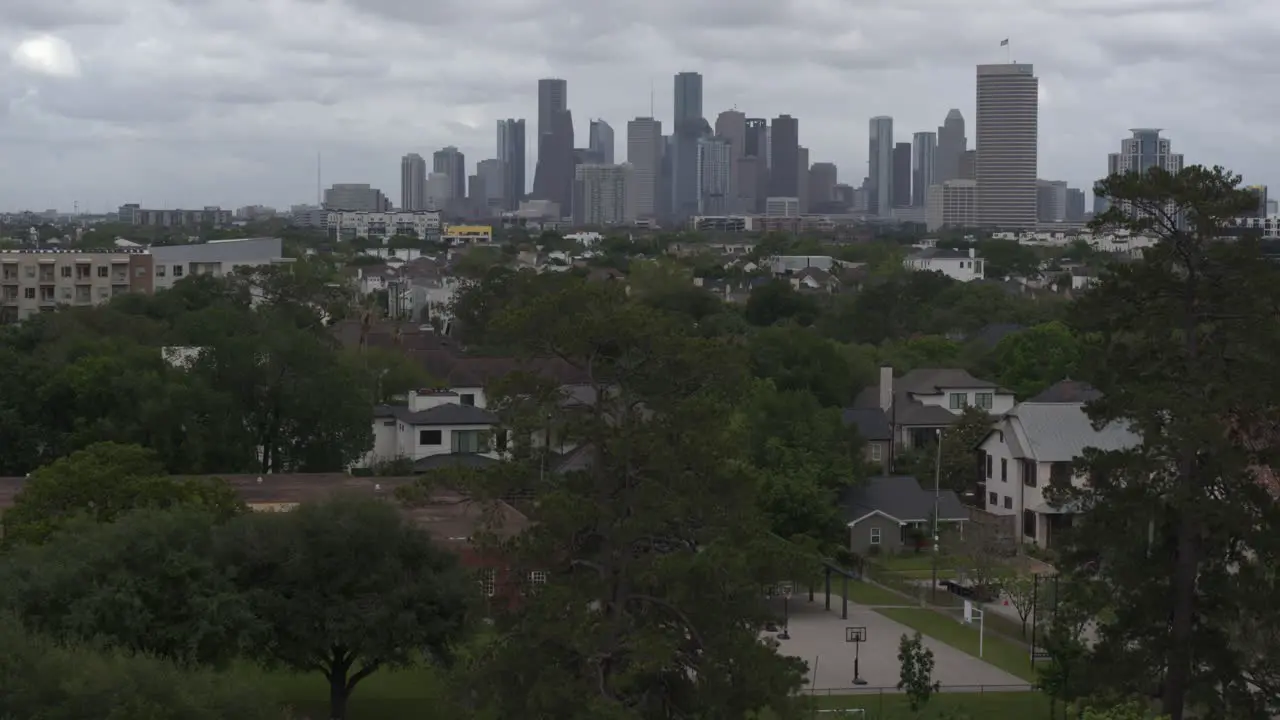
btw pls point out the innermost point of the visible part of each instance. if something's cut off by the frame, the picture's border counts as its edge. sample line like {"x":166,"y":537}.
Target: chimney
{"x":973,"y":252}
{"x":886,"y":388}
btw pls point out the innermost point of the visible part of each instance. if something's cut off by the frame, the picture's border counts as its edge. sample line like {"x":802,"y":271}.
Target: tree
{"x":345,"y":587}
{"x":103,"y":481}
{"x":146,"y":583}
{"x":1022,"y":591}
{"x":916,"y":675}
{"x":1178,"y":542}
{"x":959,"y":465}
{"x":921,"y":351}
{"x":50,"y":680}
{"x":776,"y":301}
{"x":1028,"y":362}
{"x":653,"y":546}
{"x":477,"y":261}
{"x":796,"y":358}
{"x":1127,"y":711}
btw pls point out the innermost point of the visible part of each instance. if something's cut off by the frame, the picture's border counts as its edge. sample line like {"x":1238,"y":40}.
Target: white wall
{"x":1001,"y":403}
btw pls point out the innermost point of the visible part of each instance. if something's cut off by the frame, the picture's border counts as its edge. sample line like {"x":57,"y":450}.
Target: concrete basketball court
{"x":818,"y":638}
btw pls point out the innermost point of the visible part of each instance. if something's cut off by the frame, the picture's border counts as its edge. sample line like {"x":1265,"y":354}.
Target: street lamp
{"x":786,"y":589}
{"x":937,"y":494}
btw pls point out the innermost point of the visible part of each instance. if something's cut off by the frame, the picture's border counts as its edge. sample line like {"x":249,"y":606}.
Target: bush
{"x":39,"y":679}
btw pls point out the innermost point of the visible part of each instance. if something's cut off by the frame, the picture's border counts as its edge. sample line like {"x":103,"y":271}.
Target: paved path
{"x":818,"y":638}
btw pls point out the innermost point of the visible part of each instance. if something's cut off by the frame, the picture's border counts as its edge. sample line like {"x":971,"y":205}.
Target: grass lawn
{"x":917,"y":566}
{"x":386,"y":695}
{"x":865,"y":593}
{"x":1006,"y":655}
{"x":978,"y":706}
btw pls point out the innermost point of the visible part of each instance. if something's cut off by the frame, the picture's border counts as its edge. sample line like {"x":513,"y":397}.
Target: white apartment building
{"x":1032,"y":446}
{"x":716,"y":186}
{"x":962,"y":265}
{"x":953,"y":203}
{"x":782,"y":207}
{"x":600,"y":194}
{"x":216,"y":257}
{"x":383,"y":225}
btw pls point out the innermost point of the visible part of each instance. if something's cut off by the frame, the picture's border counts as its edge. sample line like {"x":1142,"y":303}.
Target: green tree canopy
{"x":345,"y":587}
{"x":795,"y":358}
{"x":146,"y":583}
{"x":1031,"y":360}
{"x":776,"y":301}
{"x":103,"y":481}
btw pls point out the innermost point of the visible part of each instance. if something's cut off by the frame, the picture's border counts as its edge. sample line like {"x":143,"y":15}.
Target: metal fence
{"x":978,"y":702}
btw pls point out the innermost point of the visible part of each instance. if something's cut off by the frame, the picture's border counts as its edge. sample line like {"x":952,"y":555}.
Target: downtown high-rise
{"x":952,"y":145}
{"x":688,"y":129}
{"x":924,"y":153}
{"x":511,"y":155}
{"x":1007,"y":134}
{"x":644,"y":153}
{"x":554,"y":174}
{"x":450,"y":161}
{"x":784,"y":169}
{"x":880,"y":166}
{"x":600,"y":141}
{"x":413,"y":182}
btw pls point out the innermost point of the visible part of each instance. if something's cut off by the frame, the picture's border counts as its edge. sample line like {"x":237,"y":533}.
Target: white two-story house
{"x":962,"y":265}
{"x":434,"y":423}
{"x":1035,"y":444}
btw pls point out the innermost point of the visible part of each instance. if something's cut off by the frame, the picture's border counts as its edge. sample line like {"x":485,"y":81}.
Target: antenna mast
{"x":650,"y":97}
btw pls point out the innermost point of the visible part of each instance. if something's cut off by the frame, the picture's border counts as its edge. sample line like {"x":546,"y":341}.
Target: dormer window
{"x":959,"y":401}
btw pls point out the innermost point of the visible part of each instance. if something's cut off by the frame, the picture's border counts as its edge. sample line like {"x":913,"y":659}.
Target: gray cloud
{"x":248,"y":91}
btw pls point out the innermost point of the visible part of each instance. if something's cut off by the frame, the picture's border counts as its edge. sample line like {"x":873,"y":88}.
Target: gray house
{"x":885,"y":514}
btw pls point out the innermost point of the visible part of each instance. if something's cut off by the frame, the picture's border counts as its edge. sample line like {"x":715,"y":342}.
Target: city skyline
{"x":89,"y":113}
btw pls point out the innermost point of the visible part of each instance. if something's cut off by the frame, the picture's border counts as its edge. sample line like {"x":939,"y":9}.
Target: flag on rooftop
{"x":1004,"y":42}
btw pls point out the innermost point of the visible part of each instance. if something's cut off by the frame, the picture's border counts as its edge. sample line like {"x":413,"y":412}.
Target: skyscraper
{"x":784,"y":172}
{"x":600,"y":141}
{"x":644,"y":154}
{"x":600,"y":194}
{"x":753,"y":176}
{"x":553,"y":175}
{"x":880,"y":166}
{"x":715,"y":179}
{"x":1142,"y":151}
{"x":902,"y":175}
{"x":493,"y":181}
{"x":731,"y":125}
{"x":511,"y":153}
{"x":952,"y":143}
{"x":924,"y":153}
{"x":450,"y":161}
{"x":822,"y":184}
{"x":802,"y":177}
{"x":690,"y":127}
{"x":1007,"y":135}
{"x":413,"y":182}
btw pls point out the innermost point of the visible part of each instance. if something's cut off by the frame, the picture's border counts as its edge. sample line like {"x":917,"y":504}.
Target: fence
{"x":918,"y":590}
{"x":980,"y":702}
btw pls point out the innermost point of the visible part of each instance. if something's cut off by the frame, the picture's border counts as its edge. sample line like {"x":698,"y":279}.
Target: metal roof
{"x":1060,"y":432}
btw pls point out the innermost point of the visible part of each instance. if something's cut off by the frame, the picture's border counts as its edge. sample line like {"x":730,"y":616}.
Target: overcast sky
{"x":182,"y":103}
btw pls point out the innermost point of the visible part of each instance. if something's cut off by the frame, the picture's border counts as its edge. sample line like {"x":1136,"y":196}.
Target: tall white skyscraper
{"x":600,"y":194}
{"x":1008,"y":100}
{"x":413,"y":182}
{"x":1142,"y":151}
{"x":880,"y":165}
{"x":644,"y":154}
{"x":715,"y":176}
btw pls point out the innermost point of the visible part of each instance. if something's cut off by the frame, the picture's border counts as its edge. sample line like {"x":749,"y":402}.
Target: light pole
{"x":937,"y":494}
{"x":786,"y":589}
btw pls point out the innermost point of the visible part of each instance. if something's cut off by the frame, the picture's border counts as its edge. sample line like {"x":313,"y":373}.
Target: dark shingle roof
{"x":870,"y":422}
{"x":901,"y":498}
{"x":1068,"y":391}
{"x":452,"y":460}
{"x":447,"y":414}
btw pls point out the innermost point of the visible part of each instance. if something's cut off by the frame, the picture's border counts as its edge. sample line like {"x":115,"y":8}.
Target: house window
{"x":160,"y":271}
{"x":500,"y":440}
{"x":430,"y":437}
{"x":467,"y":441}
{"x":984,"y":400}
{"x":1029,"y":523}
{"x":877,"y":452}
{"x":468,"y":399}
{"x":990,"y":462}
{"x":66,"y":271}
{"x":489,"y":582}
{"x":103,"y":270}
{"x":1008,"y":503}
{"x":538,"y":577}
{"x":29,"y":293}
{"x":959,"y":400}
{"x":993,"y":500}
{"x":1029,"y":472}
{"x":875,"y":536}
{"x":177,"y":271}
{"x":1060,"y":474}
{"x":1004,"y":470}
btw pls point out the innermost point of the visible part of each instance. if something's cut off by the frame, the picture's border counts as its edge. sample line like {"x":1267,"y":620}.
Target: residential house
{"x":962,"y":265}
{"x":435,"y":422}
{"x":893,"y":514}
{"x":922,"y":402}
{"x":873,"y":428}
{"x":1035,"y":444}
{"x":813,"y":279}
